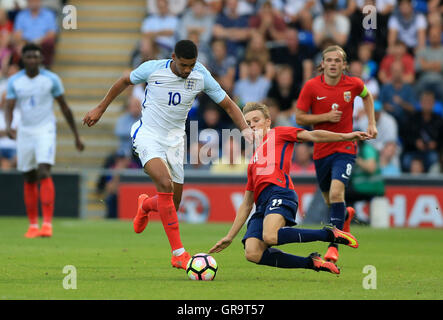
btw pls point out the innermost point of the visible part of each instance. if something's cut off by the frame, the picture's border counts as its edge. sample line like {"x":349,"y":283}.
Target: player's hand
{"x":334,"y":116}
{"x":79,"y":145}
{"x":372,"y":131}
{"x":356,"y":136}
{"x":222,"y":244}
{"x":11,"y":133}
{"x":93,"y":116}
{"x":248,"y":133}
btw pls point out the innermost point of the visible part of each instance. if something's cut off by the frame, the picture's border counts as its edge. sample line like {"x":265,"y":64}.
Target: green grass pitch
{"x":112,"y":262}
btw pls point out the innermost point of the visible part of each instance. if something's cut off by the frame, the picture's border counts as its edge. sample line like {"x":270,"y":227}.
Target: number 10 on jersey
{"x":174,"y":98}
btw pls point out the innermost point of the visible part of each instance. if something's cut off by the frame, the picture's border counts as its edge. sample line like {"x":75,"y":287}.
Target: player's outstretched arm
{"x":67,"y":113}
{"x":242,"y":215}
{"x":328,"y":136}
{"x":237,"y":117}
{"x":95,"y":114}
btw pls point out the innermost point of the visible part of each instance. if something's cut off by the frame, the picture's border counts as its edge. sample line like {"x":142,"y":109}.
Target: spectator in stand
{"x":232,"y":160}
{"x":124,"y":123}
{"x":302,"y":163}
{"x":417,"y":167}
{"x":435,"y":19}
{"x":204,"y":51}
{"x":429,"y":64}
{"x":331,"y":25}
{"x":365,"y":53}
{"x":177,"y":7}
{"x":233,"y":28}
{"x":356,"y":70}
{"x":284,"y":90}
{"x":437,"y":168}
{"x":397,"y":97}
{"x":255,"y":87}
{"x":8,"y":147}
{"x":298,"y":14}
{"x":297,"y":55}
{"x":269,"y":23}
{"x":422,"y":134}
{"x":277,"y":118}
{"x":397,"y":52}
{"x":38,"y":25}
{"x":161,"y":26}
{"x":6,"y":28}
{"x":222,"y":66}
{"x":196,"y":19}
{"x":256,"y":49}
{"x":389,"y":160}
{"x":407,"y":26}
{"x":146,"y":50}
{"x":366,"y":179}
{"x":13,"y":7}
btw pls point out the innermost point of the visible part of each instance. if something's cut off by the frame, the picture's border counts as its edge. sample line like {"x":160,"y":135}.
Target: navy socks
{"x":276,"y":258}
{"x":291,"y":235}
{"x":337,"y":212}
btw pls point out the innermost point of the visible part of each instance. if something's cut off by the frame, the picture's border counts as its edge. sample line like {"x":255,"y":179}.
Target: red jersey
{"x":271,"y":161}
{"x":319,"y":97}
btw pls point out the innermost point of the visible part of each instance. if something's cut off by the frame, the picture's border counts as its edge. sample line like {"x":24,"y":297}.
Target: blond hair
{"x":253,"y":106}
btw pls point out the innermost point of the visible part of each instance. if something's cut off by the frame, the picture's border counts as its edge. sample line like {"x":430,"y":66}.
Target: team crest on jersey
{"x":190,"y":84}
{"x":347,"y":96}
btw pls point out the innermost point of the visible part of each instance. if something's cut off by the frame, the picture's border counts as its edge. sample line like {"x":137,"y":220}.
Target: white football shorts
{"x":148,"y":147}
{"x":34,"y":149}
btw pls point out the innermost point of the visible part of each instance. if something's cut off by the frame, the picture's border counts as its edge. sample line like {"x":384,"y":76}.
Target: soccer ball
{"x":201,"y":266}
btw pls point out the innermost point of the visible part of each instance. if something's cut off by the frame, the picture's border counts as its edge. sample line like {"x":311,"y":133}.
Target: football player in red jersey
{"x":271,"y":189}
{"x":329,"y":98}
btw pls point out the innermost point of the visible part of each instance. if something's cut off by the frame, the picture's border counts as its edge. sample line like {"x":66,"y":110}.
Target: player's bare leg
{"x":31,"y":202}
{"x":158,"y":170}
{"x":271,"y":224}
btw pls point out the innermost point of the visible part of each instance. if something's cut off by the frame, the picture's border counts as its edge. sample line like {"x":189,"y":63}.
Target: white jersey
{"x":168,"y":97}
{"x":34,"y":99}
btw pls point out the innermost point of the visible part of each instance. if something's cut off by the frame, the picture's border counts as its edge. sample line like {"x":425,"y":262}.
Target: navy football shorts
{"x":272,"y":200}
{"x":335,"y":166}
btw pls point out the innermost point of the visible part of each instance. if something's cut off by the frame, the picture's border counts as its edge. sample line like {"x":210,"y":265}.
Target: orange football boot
{"x":332,"y":254}
{"x":347,"y":224}
{"x":32,"y":232}
{"x":142,"y":217}
{"x":181,"y":261}
{"x":46,"y":231}
{"x":321,"y":265}
{"x":342,"y":237}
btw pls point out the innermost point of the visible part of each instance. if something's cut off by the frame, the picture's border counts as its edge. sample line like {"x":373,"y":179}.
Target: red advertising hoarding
{"x":409,"y":206}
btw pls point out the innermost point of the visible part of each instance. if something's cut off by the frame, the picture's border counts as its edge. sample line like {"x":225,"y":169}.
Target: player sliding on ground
{"x":271,"y":189}
{"x":157,"y":138}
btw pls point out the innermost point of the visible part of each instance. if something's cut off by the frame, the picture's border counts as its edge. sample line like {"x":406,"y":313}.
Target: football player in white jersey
{"x":33,"y":91}
{"x":158,"y":137}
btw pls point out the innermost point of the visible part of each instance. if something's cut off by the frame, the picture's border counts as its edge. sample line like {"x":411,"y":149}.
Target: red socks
{"x":168,"y":215}
{"x":150,"y":204}
{"x":31,"y":201}
{"x":47,"y":196}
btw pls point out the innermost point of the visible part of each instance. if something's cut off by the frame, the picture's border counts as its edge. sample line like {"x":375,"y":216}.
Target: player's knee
{"x":270,"y":238}
{"x":253,"y":255}
{"x":165,"y":185}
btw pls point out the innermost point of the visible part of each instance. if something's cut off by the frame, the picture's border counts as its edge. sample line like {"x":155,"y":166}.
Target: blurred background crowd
{"x":265,"y":51}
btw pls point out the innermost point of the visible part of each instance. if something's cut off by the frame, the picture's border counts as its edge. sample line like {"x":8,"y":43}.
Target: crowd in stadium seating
{"x":266,"y":50}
